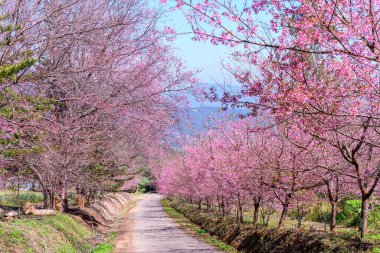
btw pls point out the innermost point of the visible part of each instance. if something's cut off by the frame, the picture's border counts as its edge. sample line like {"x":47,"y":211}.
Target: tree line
{"x":89,"y":91}
{"x":309,"y":72}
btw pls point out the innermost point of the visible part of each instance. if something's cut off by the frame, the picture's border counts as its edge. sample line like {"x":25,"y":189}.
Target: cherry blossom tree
{"x":247,"y":166}
{"x":315,"y":64}
{"x":100,"y":91}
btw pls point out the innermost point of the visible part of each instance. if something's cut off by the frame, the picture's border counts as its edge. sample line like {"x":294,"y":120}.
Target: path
{"x":151,"y":230}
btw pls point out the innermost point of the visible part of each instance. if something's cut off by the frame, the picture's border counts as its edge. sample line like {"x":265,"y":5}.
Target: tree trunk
{"x":299,"y":218}
{"x":46,"y":199}
{"x":333,"y":216}
{"x":18,"y":192}
{"x":256,"y":207}
{"x":65,"y":200}
{"x":227,"y":208}
{"x":208,"y":205}
{"x":299,"y":215}
{"x":241,"y":218}
{"x":52,"y":195}
{"x":364,"y":217}
{"x":222,"y":206}
{"x":263,"y":215}
{"x":237,"y":214}
{"x":285,"y":207}
{"x":64,"y":197}
{"x":284,"y":212}
{"x":33,"y":187}
{"x":88,"y":198}
{"x":333,"y":201}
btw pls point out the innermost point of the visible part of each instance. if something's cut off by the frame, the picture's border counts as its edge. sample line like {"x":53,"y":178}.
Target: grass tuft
{"x":104,"y":248}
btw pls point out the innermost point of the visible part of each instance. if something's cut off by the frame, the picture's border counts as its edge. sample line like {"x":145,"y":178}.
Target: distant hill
{"x":204,"y":113}
{"x":195,"y":119}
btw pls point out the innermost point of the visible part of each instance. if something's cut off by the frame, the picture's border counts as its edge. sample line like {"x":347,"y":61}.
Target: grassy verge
{"x":59,"y":234}
{"x":104,"y":248}
{"x":196,"y":230}
{"x":108,"y":246}
{"x":249,"y":238}
{"x":9,"y":198}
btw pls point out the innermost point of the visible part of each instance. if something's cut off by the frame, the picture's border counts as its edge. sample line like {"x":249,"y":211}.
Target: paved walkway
{"x":151,"y":230}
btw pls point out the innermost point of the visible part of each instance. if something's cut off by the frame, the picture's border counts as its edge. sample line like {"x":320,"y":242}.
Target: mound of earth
{"x":103,"y":212}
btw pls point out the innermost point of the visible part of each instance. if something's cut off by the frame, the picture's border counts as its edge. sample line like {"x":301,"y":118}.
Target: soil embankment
{"x":105,"y":211}
{"x":254,"y":239}
{"x":82,"y":230}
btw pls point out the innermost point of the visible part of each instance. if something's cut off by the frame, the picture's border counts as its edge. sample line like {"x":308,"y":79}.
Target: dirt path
{"x":150,"y":230}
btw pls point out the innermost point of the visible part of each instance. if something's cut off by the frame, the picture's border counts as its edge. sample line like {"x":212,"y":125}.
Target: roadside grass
{"x":196,"y":230}
{"x":108,"y":246}
{"x":58,"y":234}
{"x":373,"y":235}
{"x":104,"y":248}
{"x":345,"y":239}
{"x":348,"y":232}
{"x":9,"y":197}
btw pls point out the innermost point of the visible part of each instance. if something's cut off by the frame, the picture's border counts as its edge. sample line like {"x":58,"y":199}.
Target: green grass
{"x":9,"y":197}
{"x":376,"y":236}
{"x":343,"y":228}
{"x":59,"y":234}
{"x":196,"y":230}
{"x":113,"y":236}
{"x":345,"y":240}
{"x":104,"y":248}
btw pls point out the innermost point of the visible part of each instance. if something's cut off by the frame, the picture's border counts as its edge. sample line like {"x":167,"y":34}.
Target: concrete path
{"x":151,"y":230}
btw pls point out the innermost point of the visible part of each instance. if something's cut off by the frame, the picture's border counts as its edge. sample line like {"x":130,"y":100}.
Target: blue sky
{"x":197,"y":54}
{"x":201,"y":55}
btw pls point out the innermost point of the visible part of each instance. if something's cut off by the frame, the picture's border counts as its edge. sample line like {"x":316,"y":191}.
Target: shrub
{"x":374,"y":217}
{"x":320,"y":213}
{"x":349,"y":212}
{"x":146,"y":185}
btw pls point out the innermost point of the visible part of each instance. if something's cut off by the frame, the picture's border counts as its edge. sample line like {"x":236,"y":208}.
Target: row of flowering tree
{"x":310,"y":64}
{"x":246,"y":164}
{"x":88,"y":91}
